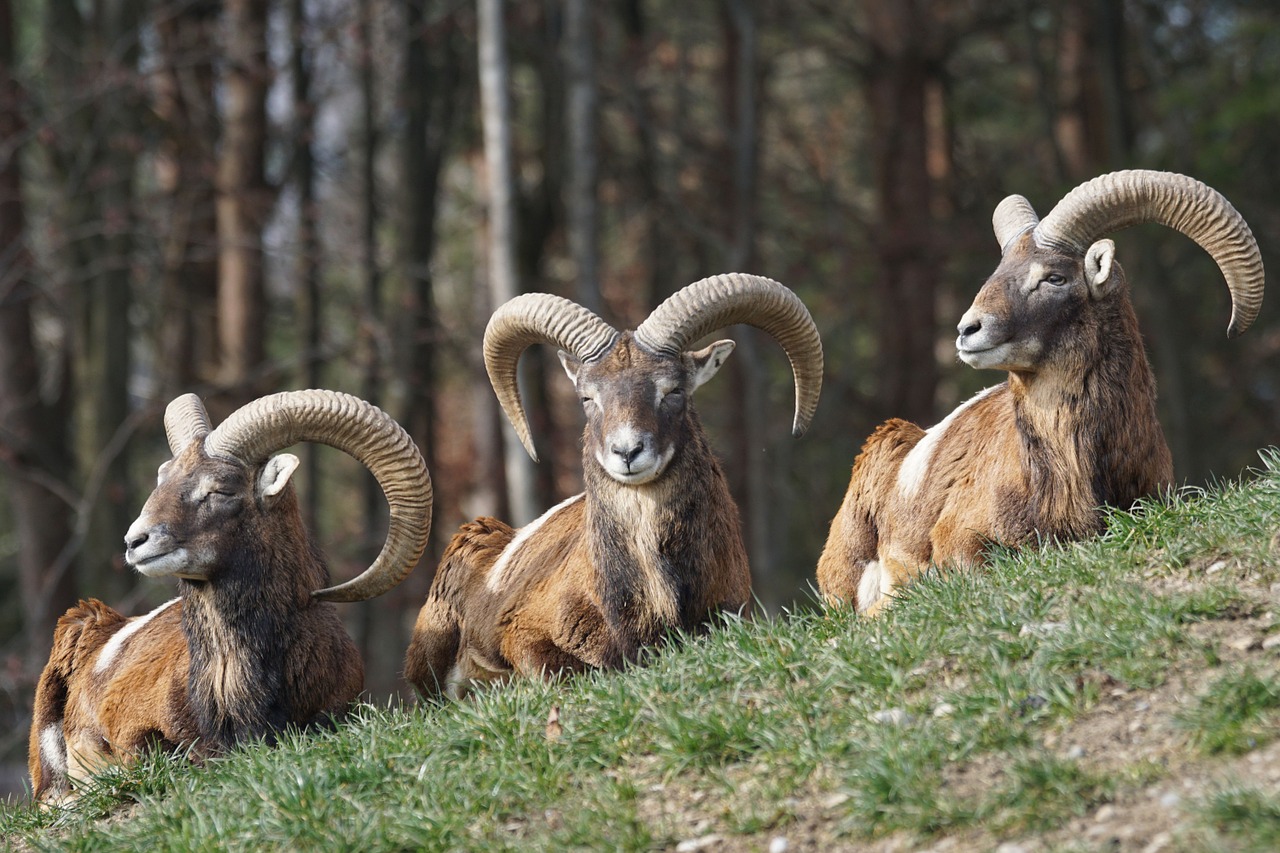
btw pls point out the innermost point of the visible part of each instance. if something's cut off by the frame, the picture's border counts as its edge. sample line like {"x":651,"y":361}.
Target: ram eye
{"x":216,"y":494}
{"x":1055,"y":279}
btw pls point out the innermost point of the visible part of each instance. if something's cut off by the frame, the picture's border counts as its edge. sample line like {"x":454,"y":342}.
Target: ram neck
{"x":1088,"y":432}
{"x":240,"y":631}
{"x":652,"y":545}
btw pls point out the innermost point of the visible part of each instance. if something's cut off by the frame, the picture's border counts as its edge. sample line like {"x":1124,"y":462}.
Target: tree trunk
{"x":897,"y":78}
{"x":662,"y":267}
{"x":107,"y":363}
{"x":186,"y":165}
{"x":34,"y":443}
{"x":762,"y":515}
{"x":503,"y":278}
{"x":584,"y":214}
{"x":540,"y":211}
{"x":307,"y":270}
{"x":1044,"y":64}
{"x":92,"y":153}
{"x":430,"y":91}
{"x":1078,"y":122}
{"x":381,"y":638}
{"x":243,"y":203}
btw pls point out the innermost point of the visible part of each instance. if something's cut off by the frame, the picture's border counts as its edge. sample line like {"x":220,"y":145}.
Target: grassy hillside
{"x":1120,"y":693}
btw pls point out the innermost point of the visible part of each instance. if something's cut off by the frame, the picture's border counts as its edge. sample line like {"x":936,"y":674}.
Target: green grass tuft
{"x":1238,"y":713}
{"x":1042,"y":791}
{"x":1247,"y":815}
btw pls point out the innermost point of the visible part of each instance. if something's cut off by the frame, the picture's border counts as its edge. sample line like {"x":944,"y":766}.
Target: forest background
{"x":237,"y":197}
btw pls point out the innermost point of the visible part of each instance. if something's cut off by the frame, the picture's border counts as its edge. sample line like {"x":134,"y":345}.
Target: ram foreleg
{"x":433,"y":651}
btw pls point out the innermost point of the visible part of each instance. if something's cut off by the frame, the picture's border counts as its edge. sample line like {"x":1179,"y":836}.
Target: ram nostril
{"x":136,"y":541}
{"x":970,"y":328}
{"x":628,"y":454}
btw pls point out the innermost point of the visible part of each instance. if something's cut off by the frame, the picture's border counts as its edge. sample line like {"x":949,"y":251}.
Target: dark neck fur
{"x":238,"y":628}
{"x":1091,"y":421}
{"x":682,"y":515}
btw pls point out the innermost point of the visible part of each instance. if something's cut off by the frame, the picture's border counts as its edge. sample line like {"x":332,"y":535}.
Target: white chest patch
{"x":916,"y":463}
{"x":643,"y":507}
{"x":119,"y":638}
{"x":497,"y":572}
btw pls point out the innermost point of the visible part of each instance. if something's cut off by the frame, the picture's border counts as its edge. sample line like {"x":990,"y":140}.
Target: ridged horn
{"x":185,"y":420}
{"x":723,"y":300}
{"x":269,"y":424}
{"x":537,"y":318}
{"x":1012,"y":218}
{"x":1120,"y":199}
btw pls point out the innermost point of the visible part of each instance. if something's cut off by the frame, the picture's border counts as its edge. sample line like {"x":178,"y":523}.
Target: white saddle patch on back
{"x":112,"y":647}
{"x":497,"y":571}
{"x":916,"y":463}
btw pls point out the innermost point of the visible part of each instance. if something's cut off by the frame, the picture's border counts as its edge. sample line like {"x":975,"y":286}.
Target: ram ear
{"x":572,"y":366}
{"x":275,"y":475}
{"x":707,"y":362}
{"x":1097,"y":268}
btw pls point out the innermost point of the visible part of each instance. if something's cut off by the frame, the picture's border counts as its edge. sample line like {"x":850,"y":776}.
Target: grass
{"x":1044,"y":790}
{"x":1238,"y":713}
{"x":948,"y":716}
{"x":1248,"y":816}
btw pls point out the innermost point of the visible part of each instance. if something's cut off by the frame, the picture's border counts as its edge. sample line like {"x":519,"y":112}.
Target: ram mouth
{"x":986,"y":358}
{"x":156,"y":565}
{"x":651,"y":470}
{"x":963,"y":349}
{"x":638,"y":478}
{"x":966,"y":353}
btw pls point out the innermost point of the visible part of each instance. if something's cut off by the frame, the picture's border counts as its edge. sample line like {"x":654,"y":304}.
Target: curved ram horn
{"x":1013,"y":217}
{"x":185,"y":420}
{"x":1120,"y":199}
{"x":537,"y":318}
{"x":269,"y":424}
{"x":723,"y":300}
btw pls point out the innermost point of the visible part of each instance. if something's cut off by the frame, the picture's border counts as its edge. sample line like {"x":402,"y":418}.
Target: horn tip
{"x":1239,"y":324}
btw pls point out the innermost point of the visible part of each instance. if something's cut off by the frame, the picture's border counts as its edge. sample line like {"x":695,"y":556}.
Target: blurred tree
{"x":91,"y":150}
{"x":761,"y":517}
{"x":307,"y":268}
{"x":581,"y":119}
{"x":34,"y":415}
{"x":186,"y":324}
{"x":382,"y":640}
{"x":651,"y":197}
{"x":431,"y":88}
{"x":541,"y":139}
{"x":244,"y":203}
{"x":905,"y":49}
{"x":502,"y":238}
